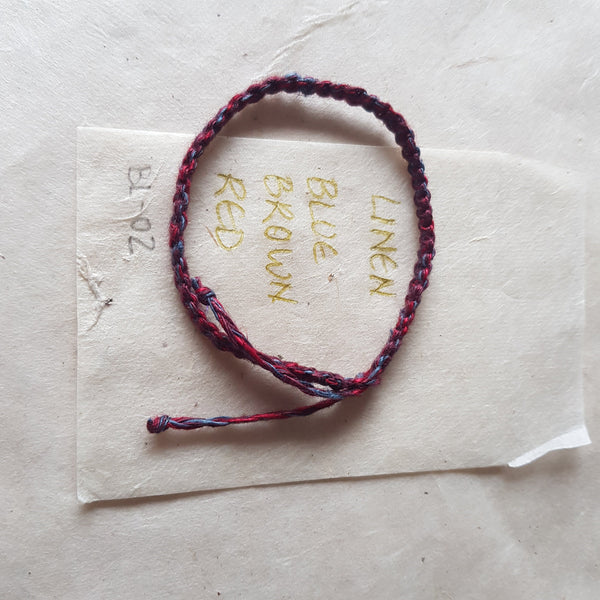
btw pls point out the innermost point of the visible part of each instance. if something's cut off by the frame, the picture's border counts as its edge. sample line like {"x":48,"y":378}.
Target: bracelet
{"x":224,"y":334}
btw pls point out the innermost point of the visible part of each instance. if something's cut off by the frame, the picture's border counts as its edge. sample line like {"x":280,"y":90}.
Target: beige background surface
{"x":513,"y":77}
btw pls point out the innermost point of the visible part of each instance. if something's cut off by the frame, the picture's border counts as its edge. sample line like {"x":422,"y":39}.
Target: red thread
{"x":196,"y":297}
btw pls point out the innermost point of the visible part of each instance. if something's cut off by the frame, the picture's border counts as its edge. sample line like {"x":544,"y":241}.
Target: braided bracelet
{"x":329,"y":387}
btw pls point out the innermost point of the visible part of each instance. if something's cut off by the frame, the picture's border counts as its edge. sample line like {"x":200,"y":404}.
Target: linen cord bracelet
{"x":226,"y":336}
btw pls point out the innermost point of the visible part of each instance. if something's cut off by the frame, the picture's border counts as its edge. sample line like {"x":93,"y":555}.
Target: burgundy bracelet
{"x":330,"y":387}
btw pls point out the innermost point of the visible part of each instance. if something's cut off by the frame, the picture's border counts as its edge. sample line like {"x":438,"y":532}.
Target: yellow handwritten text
{"x":280,"y":215}
{"x":318,"y":190}
{"x":276,"y":263}
{"x":381,"y":261}
{"x":228,"y":233}
{"x":283,"y":287}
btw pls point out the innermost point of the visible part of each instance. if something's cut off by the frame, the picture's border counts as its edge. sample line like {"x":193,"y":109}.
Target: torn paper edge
{"x":572,"y":439}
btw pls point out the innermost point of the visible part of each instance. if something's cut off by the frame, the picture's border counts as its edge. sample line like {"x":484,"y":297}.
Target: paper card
{"x":310,"y":248}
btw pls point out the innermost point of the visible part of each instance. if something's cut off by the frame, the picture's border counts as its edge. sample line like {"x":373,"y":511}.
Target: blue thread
{"x":310,"y":83}
{"x":205,"y":422}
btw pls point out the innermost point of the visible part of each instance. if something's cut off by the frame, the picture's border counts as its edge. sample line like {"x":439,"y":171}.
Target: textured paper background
{"x":512,"y":77}
{"x":485,"y":375}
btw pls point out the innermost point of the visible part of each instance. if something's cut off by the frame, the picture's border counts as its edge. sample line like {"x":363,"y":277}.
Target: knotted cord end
{"x":157,"y":424}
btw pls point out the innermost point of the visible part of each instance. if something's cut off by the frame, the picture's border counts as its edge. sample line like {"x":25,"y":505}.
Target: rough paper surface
{"x":315,"y":271}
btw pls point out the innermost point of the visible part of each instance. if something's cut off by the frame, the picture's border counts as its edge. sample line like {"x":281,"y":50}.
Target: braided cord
{"x":225,"y":335}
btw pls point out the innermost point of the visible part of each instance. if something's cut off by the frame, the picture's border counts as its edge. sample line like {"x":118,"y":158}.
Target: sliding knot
{"x":204,"y":294}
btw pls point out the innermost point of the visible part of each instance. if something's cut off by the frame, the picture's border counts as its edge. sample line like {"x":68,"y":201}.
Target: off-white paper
{"x":310,"y":247}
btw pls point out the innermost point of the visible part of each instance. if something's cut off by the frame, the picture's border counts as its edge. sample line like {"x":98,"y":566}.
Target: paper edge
{"x":514,"y":157}
{"x":571,"y":439}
